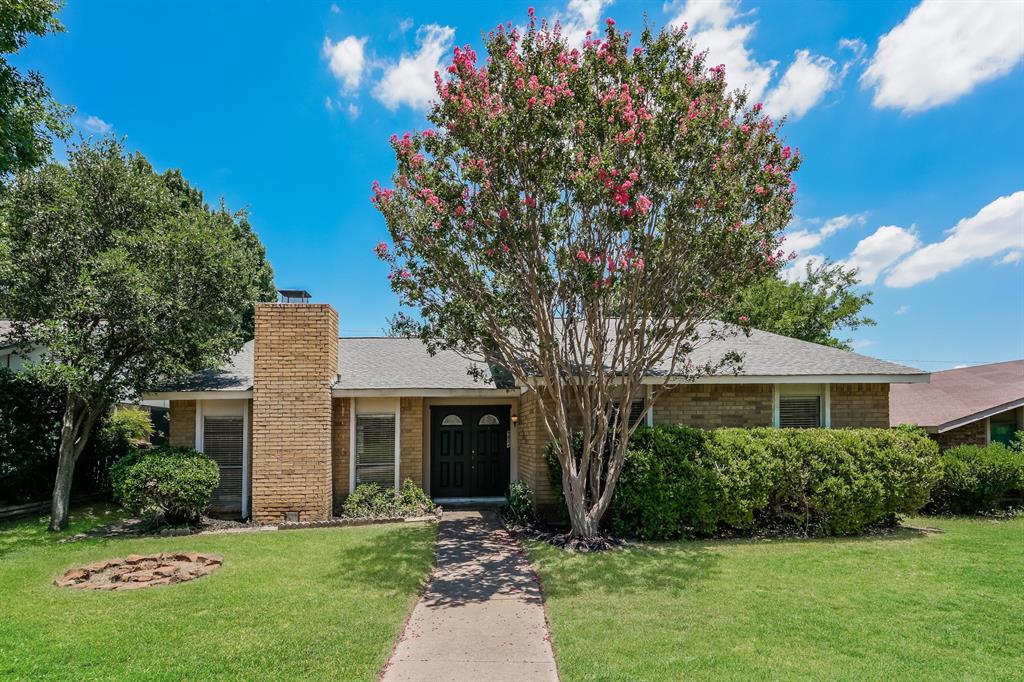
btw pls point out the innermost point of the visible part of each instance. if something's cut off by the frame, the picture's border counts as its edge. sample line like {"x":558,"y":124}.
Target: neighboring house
{"x":299,"y":417}
{"x":966,"y":406}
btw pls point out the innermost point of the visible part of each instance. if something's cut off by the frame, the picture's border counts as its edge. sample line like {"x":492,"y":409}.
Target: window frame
{"x":377,"y":410}
{"x":820,"y":391}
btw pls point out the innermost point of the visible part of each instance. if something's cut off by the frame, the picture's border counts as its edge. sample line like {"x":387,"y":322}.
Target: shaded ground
{"x":912,"y":605}
{"x":313,"y":604}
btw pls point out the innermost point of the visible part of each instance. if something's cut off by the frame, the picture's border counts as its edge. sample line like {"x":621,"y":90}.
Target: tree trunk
{"x":76,"y":426}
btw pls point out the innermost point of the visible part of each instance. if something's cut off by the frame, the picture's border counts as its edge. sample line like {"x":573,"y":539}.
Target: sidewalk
{"x":482,"y":615}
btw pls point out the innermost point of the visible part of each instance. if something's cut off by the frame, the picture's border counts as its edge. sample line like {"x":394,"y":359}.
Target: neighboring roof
{"x":958,"y":396}
{"x":397,"y":363}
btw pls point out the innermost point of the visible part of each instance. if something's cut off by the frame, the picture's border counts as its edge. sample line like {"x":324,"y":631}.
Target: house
{"x":299,"y":416}
{"x":965,"y":406}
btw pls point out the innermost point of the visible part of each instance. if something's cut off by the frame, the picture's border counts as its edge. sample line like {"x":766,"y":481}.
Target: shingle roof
{"x":236,"y":375}
{"x":385,"y":362}
{"x":955,"y":395}
{"x":369,"y":363}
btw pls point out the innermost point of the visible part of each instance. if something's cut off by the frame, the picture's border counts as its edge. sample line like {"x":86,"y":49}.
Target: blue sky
{"x":907,"y":114}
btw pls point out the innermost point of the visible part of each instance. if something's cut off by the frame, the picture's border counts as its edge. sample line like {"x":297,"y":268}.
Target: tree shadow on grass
{"x":25,"y":533}
{"x":667,"y":566}
{"x":391,"y":561}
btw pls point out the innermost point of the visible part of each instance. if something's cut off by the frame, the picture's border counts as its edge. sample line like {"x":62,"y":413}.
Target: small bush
{"x":679,"y":481}
{"x":370,"y":500}
{"x":173,"y":483}
{"x":519,"y":510}
{"x":977,"y":479}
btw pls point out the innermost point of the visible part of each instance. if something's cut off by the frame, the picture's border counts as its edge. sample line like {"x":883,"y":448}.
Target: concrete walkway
{"x":482,"y":615}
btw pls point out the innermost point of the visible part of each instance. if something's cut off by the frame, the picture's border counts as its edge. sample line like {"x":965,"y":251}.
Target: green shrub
{"x":519,"y":509}
{"x":680,"y":481}
{"x":370,"y":500}
{"x":175,"y":483}
{"x":977,"y":479}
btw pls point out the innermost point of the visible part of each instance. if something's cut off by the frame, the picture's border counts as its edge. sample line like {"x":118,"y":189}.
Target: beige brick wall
{"x":341,"y":413}
{"x":411,"y":441}
{"x":710,"y":406}
{"x":859,"y":405}
{"x":295,"y":362}
{"x":533,"y":437}
{"x":182,"y":424}
{"x":974,"y":433}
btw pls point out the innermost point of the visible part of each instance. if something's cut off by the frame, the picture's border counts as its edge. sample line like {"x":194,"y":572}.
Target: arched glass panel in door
{"x":488,"y":420}
{"x":452,"y":420}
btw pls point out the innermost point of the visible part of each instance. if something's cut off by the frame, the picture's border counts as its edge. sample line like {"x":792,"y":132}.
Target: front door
{"x":470,"y":448}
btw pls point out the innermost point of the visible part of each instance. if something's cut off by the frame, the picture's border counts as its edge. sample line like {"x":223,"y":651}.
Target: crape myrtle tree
{"x":122,"y":276}
{"x":579,"y":215}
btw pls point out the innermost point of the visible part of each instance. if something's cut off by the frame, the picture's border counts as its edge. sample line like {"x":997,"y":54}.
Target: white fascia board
{"x":424,"y":392}
{"x":199,"y":395}
{"x":977,"y":416}
{"x":801,"y":379}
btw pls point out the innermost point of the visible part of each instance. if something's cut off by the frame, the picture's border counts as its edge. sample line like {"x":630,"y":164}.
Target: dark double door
{"x":470,"y":449}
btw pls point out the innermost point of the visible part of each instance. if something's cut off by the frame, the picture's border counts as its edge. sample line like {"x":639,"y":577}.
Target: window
{"x":452,"y":420}
{"x":799,"y":412}
{"x":375,"y":449}
{"x":222,"y":442}
{"x":488,"y":420}
{"x":636,"y":410}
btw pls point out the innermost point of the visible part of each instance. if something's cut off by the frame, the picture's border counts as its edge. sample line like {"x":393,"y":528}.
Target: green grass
{"x":309,"y":604}
{"x":911,"y":606}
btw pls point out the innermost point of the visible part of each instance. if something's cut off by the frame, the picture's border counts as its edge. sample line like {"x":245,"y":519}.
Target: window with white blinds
{"x":375,"y":449}
{"x":222,"y":442}
{"x":799,"y":412}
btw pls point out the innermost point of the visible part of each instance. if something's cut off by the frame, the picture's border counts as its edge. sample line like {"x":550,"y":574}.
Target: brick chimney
{"x":294,"y":365}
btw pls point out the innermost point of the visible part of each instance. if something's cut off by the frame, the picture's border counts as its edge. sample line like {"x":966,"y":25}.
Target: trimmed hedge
{"x":978,"y":479}
{"x":679,"y":481}
{"x":176,"y":483}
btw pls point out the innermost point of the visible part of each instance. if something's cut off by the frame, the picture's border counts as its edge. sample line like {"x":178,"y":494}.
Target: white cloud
{"x":329,"y":104}
{"x":942,"y":50}
{"x":805,"y":238}
{"x":796,"y":271}
{"x":876,"y":252}
{"x":996,"y":228}
{"x":353,"y":110}
{"x":802,"y":86}
{"x":718,"y":27}
{"x":902,"y":310}
{"x":855,"y":45}
{"x":1012,"y":257}
{"x":95,"y":124}
{"x":579,"y":17}
{"x":335,"y":9}
{"x":411,"y":80}
{"x":347,"y":60}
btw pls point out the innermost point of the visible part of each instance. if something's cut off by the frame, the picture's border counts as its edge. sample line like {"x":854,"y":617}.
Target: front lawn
{"x":309,"y":604}
{"x":910,"y":606}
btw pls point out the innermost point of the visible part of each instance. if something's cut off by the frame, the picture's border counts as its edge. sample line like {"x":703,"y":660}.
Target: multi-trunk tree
{"x":120,"y":276}
{"x":581,"y":215}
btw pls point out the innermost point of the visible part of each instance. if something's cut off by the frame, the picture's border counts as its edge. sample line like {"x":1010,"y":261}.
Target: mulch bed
{"x":147,"y":527}
{"x":135,"y":572}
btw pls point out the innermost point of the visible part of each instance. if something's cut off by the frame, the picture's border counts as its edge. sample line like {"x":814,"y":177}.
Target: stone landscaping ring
{"x":134,"y":571}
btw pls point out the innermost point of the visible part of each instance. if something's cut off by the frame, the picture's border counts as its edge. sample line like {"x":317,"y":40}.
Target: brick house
{"x":965,"y":406}
{"x":300,"y":416}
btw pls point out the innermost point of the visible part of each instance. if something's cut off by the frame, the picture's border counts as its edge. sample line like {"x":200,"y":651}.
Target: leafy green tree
{"x":813,"y":309}
{"x":584,"y":215}
{"x":123,"y":275}
{"x":29,"y":116}
{"x":402,"y":326}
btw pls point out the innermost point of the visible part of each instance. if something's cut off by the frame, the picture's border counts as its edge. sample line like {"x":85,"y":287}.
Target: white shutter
{"x":799,"y":412}
{"x":375,"y":449}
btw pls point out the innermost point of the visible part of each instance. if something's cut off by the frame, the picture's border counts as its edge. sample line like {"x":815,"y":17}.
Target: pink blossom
{"x":638,"y":264}
{"x":404,"y":274}
{"x":760,"y":189}
{"x":758,"y":107}
{"x":530,"y":201}
{"x":744,"y":319}
{"x":581,"y":255}
{"x":503,"y":214}
{"x":381,"y":249}
{"x":643,"y":204}
{"x":609,"y":21}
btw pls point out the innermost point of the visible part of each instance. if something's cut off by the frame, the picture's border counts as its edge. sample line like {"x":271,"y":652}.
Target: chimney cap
{"x":294,"y":295}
